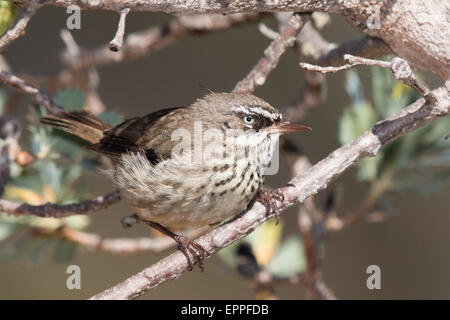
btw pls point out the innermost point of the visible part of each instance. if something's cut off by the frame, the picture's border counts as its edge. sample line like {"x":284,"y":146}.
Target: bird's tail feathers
{"x":80,"y":123}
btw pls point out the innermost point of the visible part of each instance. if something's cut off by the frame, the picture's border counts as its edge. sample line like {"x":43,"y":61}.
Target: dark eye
{"x":248,"y":120}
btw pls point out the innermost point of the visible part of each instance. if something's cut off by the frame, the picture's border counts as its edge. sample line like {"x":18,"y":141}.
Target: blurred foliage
{"x":281,"y":258}
{"x":49,"y":179}
{"x":418,"y":161}
{"x":8,"y":13}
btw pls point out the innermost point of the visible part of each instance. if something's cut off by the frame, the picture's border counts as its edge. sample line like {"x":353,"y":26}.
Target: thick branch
{"x":211,"y":6}
{"x":60,"y":210}
{"x":300,"y":188}
{"x":416,"y":30}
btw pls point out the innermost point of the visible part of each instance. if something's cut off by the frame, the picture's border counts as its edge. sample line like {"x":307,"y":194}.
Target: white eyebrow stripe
{"x":259,"y":110}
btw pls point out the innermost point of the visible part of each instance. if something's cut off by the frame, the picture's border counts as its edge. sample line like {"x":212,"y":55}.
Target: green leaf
{"x":354,"y":88}
{"x":70,"y":99}
{"x":6,"y":229}
{"x":8,"y":13}
{"x":289,"y":259}
{"x":424,"y":183}
{"x":264,"y":242}
{"x":354,"y":121}
{"x":229,"y":254}
{"x":111,"y":117}
{"x":51,"y":175}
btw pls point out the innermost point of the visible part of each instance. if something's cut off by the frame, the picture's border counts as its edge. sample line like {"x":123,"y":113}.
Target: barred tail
{"x":80,"y":123}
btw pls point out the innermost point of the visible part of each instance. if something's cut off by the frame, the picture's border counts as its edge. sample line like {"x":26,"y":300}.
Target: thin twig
{"x":38,"y":97}
{"x":399,"y":67}
{"x":9,"y":133}
{"x":142,"y":43}
{"x":269,"y":33}
{"x":116,"y":43}
{"x":315,"y":179}
{"x":309,"y":220}
{"x":72,"y":47}
{"x":93,"y":241}
{"x":20,"y":24}
{"x":299,"y":163}
{"x":60,"y":210}
{"x":272,"y":54}
{"x":367,"y":47}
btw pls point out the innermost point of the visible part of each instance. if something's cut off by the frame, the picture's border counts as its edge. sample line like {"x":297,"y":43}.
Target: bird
{"x":186,"y":167}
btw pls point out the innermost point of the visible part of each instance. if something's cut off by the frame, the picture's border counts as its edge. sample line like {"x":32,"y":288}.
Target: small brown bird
{"x":214,"y":172}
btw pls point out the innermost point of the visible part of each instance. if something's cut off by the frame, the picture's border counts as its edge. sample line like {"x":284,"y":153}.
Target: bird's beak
{"x":287,"y":126}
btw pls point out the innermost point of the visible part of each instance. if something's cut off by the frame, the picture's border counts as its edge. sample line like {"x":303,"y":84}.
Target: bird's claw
{"x":269,"y":199}
{"x":190,"y":247}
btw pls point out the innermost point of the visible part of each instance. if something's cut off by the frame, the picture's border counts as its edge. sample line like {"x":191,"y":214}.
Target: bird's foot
{"x":269,"y":199}
{"x":185,"y":245}
{"x":190,"y":247}
{"x":130,"y":221}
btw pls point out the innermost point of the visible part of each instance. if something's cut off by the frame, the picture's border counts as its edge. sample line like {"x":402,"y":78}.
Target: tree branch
{"x":116,"y":43}
{"x":20,"y":24}
{"x":141,"y":43}
{"x":399,"y":67}
{"x":272,"y":54}
{"x":421,"y":26}
{"x":94,"y":241}
{"x":60,"y":210}
{"x":212,"y":6}
{"x":37,"y":96}
{"x":315,"y":179}
{"x":367,"y":47}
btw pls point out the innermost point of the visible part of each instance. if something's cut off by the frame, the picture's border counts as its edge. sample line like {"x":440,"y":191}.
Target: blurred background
{"x":411,"y":246}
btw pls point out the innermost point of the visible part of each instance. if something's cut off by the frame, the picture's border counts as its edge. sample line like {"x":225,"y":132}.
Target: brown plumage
{"x":80,"y":123}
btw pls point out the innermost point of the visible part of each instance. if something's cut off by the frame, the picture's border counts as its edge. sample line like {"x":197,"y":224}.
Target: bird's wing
{"x":127,"y":137}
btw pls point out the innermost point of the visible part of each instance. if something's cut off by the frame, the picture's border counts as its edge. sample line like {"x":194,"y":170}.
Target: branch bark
{"x":416,"y":30}
{"x":37,"y":96}
{"x":60,"y":210}
{"x":399,"y":67}
{"x":139,"y":44}
{"x":258,"y":75}
{"x":315,"y":179}
{"x":125,"y":246}
{"x":19,"y":25}
{"x":116,"y":43}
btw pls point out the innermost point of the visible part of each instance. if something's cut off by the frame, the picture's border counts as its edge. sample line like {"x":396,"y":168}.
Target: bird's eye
{"x":249,"y":120}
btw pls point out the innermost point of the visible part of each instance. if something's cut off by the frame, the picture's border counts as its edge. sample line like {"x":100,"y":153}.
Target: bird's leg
{"x":185,"y":245}
{"x":269,"y":200}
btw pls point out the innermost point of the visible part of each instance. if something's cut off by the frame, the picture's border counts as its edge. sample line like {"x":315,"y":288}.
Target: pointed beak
{"x":287,"y":126}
